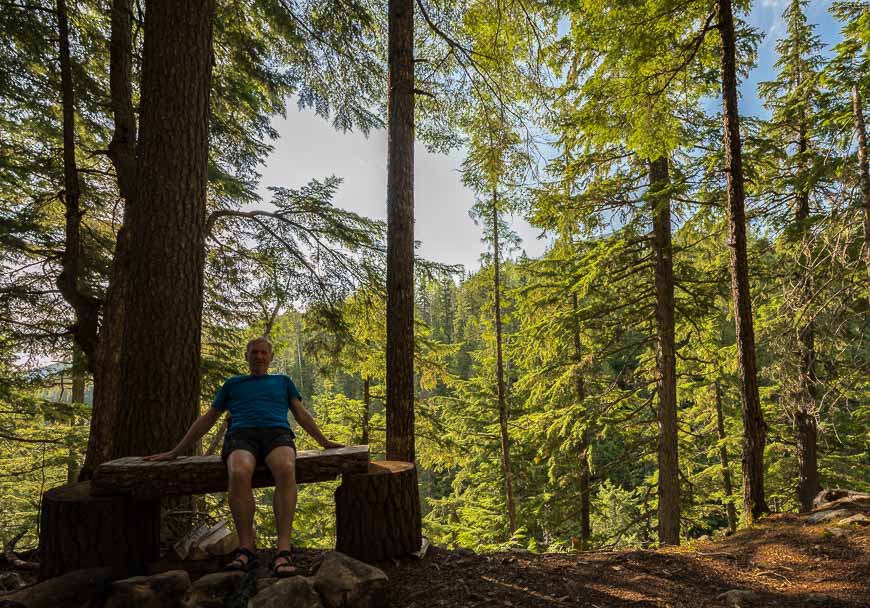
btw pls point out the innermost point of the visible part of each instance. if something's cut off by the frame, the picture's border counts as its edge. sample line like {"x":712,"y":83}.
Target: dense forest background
{"x":641,"y":382}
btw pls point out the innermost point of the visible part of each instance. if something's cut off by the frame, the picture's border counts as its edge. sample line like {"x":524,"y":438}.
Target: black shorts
{"x":258,"y":442}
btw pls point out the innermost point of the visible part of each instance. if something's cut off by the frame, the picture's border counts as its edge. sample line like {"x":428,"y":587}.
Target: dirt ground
{"x":785,"y":562}
{"x":782,"y":560}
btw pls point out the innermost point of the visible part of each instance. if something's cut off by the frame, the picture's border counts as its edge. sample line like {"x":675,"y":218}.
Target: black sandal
{"x":239,"y":564}
{"x":285,"y":568}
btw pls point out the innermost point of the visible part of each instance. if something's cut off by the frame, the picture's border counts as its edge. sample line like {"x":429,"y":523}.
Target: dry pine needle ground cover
{"x":784,"y":561}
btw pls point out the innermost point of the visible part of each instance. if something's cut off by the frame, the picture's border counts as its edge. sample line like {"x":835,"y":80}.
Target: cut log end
{"x":378,"y":513}
{"x":80,"y":531}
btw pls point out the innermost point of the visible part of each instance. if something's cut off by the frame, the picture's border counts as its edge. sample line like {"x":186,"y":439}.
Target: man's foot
{"x":243,"y":560}
{"x":282,"y":564}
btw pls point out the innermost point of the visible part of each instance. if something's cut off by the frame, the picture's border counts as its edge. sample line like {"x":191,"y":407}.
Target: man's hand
{"x":171,"y":455}
{"x":327,"y":445}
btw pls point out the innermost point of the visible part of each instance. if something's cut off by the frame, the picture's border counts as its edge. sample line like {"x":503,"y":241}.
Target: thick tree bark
{"x":668,"y":459}
{"x":377,"y":514}
{"x":723,"y":462}
{"x":499,"y":374}
{"x":754,"y":427}
{"x":400,"y":234}
{"x":163,"y":308}
{"x":583,"y":448}
{"x":122,"y":152}
{"x":81,"y":531}
{"x":86,"y":307}
{"x":863,"y":174}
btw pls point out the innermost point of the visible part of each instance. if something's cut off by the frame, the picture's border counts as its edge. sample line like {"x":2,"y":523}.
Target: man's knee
{"x":281,"y":462}
{"x":240,"y":467}
{"x":284,"y":473}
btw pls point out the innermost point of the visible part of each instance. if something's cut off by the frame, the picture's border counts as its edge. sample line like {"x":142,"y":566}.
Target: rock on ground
{"x":294,"y":592}
{"x":738,"y":598}
{"x":10,"y":581}
{"x":76,"y":589}
{"x":213,"y":590}
{"x":344,"y":582}
{"x":164,"y":590}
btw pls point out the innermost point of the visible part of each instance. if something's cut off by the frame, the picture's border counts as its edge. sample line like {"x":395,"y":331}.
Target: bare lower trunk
{"x":499,"y":372}
{"x":723,"y":462}
{"x":808,"y":470}
{"x":668,"y":459}
{"x":754,"y":427}
{"x":160,"y":366}
{"x":863,"y":174}
{"x":400,"y":234}
{"x":583,"y":448}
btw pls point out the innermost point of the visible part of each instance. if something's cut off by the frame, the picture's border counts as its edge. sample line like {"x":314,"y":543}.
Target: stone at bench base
{"x":82,"y":531}
{"x":377,"y":514}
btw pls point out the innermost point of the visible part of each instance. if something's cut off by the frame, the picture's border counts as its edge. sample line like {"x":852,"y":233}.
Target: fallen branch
{"x":13,"y":560}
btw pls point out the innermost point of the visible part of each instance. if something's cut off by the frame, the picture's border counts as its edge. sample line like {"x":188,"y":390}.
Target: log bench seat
{"x":189,"y":475}
{"x":114,"y":519}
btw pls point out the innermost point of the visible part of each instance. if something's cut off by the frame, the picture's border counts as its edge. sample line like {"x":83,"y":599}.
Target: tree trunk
{"x":668,"y":459}
{"x":808,"y":471}
{"x":367,"y":405}
{"x":804,"y":406}
{"x":723,"y":461}
{"x":583,"y":448}
{"x":377,"y":514}
{"x":499,"y":373}
{"x":301,"y":379}
{"x":86,"y":308}
{"x":754,"y":427}
{"x":122,"y":152}
{"x":863,"y":174}
{"x":78,"y":396}
{"x":160,"y":367}
{"x":400,"y":234}
{"x":81,"y":531}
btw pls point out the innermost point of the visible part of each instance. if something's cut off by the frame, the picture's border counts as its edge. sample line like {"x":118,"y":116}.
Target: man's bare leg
{"x":240,"y":469}
{"x":282,"y":462}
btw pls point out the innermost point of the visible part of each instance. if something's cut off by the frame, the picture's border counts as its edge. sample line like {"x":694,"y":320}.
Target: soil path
{"x":782,"y":560}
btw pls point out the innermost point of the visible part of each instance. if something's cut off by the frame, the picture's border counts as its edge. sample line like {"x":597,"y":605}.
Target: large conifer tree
{"x":400,"y":233}
{"x":163,"y":308}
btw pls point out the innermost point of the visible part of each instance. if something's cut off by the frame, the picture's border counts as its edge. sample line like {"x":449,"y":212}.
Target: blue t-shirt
{"x":257,"y":401}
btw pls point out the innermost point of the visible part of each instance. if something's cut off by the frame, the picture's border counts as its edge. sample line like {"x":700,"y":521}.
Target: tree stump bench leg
{"x":78,"y":530}
{"x":378,"y":513}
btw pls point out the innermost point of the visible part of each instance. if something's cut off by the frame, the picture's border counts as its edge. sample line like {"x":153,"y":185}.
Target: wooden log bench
{"x":114,"y":519}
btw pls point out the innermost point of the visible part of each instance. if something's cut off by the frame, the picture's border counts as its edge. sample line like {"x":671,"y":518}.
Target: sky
{"x":308,"y":147}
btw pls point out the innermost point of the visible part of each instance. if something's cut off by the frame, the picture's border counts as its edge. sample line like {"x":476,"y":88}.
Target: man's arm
{"x":306,"y":421}
{"x":199,"y":428}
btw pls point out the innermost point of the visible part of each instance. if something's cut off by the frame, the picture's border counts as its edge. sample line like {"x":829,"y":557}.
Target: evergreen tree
{"x":794,"y":100}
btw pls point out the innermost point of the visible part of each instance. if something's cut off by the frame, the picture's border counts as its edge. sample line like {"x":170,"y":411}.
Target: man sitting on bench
{"x":259,"y":432}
